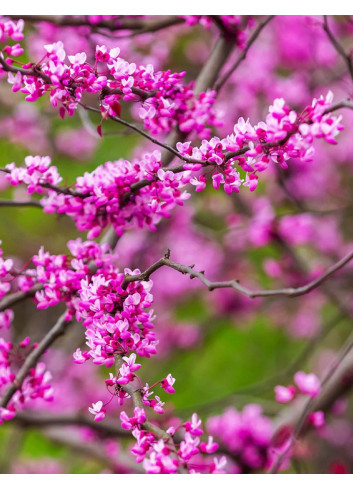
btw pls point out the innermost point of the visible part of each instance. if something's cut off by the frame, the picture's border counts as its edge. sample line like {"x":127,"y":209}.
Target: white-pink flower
{"x":98,"y":410}
{"x":307,"y":383}
{"x":284,"y":394}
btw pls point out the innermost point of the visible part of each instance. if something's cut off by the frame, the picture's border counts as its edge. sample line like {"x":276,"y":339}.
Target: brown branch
{"x":59,"y":190}
{"x":218,"y":85}
{"x":143,"y":94}
{"x":144,"y":134}
{"x":24,"y":71}
{"x":12,"y":299}
{"x":189,"y":270}
{"x":42,"y":420}
{"x":136,"y":397}
{"x":16,"y":203}
{"x":141,"y":26}
{"x":211,"y":69}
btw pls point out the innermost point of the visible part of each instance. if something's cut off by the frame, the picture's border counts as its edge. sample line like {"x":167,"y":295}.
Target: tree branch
{"x":42,"y":420}
{"x":141,"y":26}
{"x":16,"y":203}
{"x":12,"y":299}
{"x":189,"y":270}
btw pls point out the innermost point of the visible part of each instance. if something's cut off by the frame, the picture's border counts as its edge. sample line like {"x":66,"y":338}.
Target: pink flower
{"x":25,"y":342}
{"x":98,"y":410}
{"x":284,"y":394}
{"x":157,"y":405}
{"x":80,"y":357}
{"x":125,"y":375}
{"x":218,"y":465}
{"x":130,"y":423}
{"x":209,"y":447}
{"x":194,"y":426}
{"x":188,"y":447}
{"x":308,"y":383}
{"x":6,"y":318}
{"x":131,"y":362}
{"x":200,"y":184}
{"x":317,"y":419}
{"x":167,"y":384}
{"x":6,"y":414}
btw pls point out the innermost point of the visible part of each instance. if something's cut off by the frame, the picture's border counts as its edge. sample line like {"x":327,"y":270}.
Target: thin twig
{"x":12,"y":299}
{"x":189,"y":270}
{"x":57,"y":330}
{"x":103,"y":428}
{"x":16,"y":203}
{"x":338,"y":47}
{"x":218,"y":85}
{"x":141,"y":26}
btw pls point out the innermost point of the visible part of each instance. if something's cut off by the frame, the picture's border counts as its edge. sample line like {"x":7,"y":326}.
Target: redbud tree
{"x":175,"y":270}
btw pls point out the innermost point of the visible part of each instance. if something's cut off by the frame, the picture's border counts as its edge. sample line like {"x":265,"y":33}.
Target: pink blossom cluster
{"x":116,"y":319}
{"x":116,"y":316}
{"x":126,"y":375}
{"x":156,"y":404}
{"x":102,"y":197}
{"x":61,"y":275}
{"x":308,"y":384}
{"x":246,"y":435}
{"x":285,"y":134}
{"x":36,"y":384}
{"x":165,"y":455}
{"x":36,"y":174}
{"x":166,"y":101}
{"x":11,"y":30}
{"x":191,"y":114}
